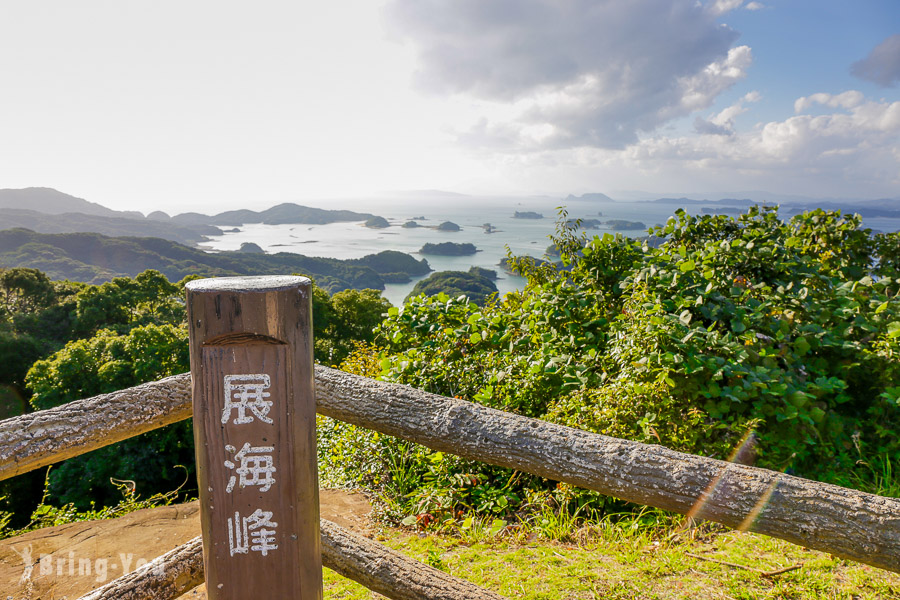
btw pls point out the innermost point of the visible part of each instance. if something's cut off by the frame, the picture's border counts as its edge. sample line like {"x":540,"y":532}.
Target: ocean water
{"x":520,"y":236}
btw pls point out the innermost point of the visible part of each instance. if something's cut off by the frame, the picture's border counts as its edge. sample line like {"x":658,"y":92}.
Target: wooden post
{"x":255,"y":435}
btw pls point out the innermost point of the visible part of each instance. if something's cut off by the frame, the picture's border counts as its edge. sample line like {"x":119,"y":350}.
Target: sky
{"x":206,"y":105}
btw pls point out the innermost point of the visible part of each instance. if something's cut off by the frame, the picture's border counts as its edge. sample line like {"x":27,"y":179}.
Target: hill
{"x":95,"y":258}
{"x":74,"y":222}
{"x":54,"y":202}
{"x":277,"y":215}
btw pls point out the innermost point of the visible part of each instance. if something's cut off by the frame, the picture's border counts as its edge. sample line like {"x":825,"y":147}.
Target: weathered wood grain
{"x":169,"y":576}
{"x":369,"y":563}
{"x":255,"y":436}
{"x":42,"y":438}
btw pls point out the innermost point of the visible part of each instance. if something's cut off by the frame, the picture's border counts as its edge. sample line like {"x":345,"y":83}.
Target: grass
{"x":617,"y":563}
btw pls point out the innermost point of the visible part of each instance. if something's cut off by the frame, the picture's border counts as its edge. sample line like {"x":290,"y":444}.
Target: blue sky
{"x":212,"y":105}
{"x":805,"y":45}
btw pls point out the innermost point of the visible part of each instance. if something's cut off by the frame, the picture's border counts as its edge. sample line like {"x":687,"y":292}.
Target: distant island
{"x":377,"y":223}
{"x":410,"y":225}
{"x":282,"y":214}
{"x":592,"y":197}
{"x":456,"y":283}
{"x":482,"y":272}
{"x":448,"y":226}
{"x":251,"y":248}
{"x":584,"y":223}
{"x":527,"y":215}
{"x":623,"y":225}
{"x":449,"y":249}
{"x":722,"y":211}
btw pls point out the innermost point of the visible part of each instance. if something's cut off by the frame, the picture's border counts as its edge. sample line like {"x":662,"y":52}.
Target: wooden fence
{"x":841,"y":521}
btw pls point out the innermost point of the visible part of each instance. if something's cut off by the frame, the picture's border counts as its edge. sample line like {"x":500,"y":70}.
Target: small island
{"x":488,"y":228}
{"x":584,"y":223}
{"x":527,"y":215}
{"x":456,"y":283}
{"x":727,"y":210}
{"x":448,"y":226}
{"x":488,"y":274}
{"x":377,"y":223}
{"x":449,"y":249}
{"x":623,"y":225}
{"x":410,"y":225}
{"x":251,"y":248}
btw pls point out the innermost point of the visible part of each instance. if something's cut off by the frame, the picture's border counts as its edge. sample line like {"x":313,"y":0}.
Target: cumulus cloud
{"x":722,"y":123}
{"x":754,"y":6}
{"x":856,"y":142}
{"x":882,"y":65}
{"x":849,"y":99}
{"x":572,"y":73}
{"x":720,"y":7}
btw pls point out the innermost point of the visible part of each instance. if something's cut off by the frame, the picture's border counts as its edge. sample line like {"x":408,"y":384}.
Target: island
{"x":377,"y":223}
{"x":482,"y":272}
{"x":448,"y":226}
{"x":449,"y":249}
{"x":584,"y":223}
{"x":410,"y":225}
{"x":623,"y":225}
{"x":528,"y":215}
{"x":251,"y":248}
{"x":456,"y":283}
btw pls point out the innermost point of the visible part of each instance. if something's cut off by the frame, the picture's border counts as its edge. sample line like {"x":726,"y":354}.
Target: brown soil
{"x":67,"y":561}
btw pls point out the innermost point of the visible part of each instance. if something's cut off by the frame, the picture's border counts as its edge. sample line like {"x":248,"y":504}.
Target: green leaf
{"x":801,"y":346}
{"x":893,"y":329}
{"x":685,"y":317}
{"x":475,"y":338}
{"x":409,"y":521}
{"x":687,"y":265}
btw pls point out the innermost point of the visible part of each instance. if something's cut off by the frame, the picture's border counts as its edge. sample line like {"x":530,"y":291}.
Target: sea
{"x":521,"y":237}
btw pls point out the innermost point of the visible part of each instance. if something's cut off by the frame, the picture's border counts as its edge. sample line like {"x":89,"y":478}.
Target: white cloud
{"x":571,"y":73}
{"x":882,"y":65}
{"x":849,"y":99}
{"x":754,"y":6}
{"x":858,"y":144}
{"x":722,"y":123}
{"x":720,"y":7}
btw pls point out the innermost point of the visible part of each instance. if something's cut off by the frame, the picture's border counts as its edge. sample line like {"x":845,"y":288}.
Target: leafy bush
{"x":751,"y":332}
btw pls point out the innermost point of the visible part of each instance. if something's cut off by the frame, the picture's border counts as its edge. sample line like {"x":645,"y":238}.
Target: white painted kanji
{"x":256,"y":467}
{"x":247,"y":392}
{"x":238,"y":541}
{"x":246,"y":534}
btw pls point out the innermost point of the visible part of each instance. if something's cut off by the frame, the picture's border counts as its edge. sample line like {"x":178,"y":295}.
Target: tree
{"x":25,"y":291}
{"x":124,"y":303}
{"x":105,"y":363}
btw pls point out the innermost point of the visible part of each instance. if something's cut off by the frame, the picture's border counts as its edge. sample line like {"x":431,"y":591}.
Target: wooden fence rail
{"x":378,"y":568}
{"x":844,"y":522}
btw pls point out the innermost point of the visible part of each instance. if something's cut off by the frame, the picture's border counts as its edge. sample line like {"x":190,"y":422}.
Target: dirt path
{"x":68,"y":561}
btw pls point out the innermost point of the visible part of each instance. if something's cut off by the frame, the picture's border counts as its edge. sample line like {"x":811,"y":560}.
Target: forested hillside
{"x":95,"y":258}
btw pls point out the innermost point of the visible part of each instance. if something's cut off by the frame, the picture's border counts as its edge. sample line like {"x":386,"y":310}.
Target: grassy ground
{"x":613,"y":565}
